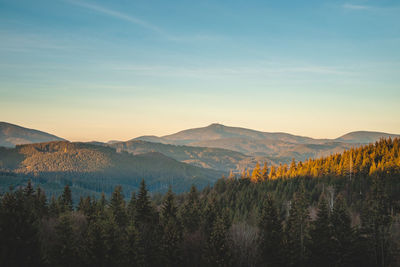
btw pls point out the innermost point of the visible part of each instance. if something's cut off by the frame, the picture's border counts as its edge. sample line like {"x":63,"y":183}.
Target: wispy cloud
{"x":118,"y":15}
{"x":199,"y":72}
{"x":355,"y":7}
{"x":142,"y":23}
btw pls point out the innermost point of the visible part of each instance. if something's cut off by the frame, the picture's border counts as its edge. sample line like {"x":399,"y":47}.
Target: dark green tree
{"x":190,"y":211}
{"x":147,"y":225}
{"x":171,"y":247}
{"x":117,"y":206}
{"x":131,"y":244}
{"x":321,"y":234}
{"x":343,"y":234}
{"x":131,"y":209}
{"x":377,"y":221}
{"x":218,"y":252}
{"x":209,"y":215}
{"x":54,"y":208}
{"x":87,"y":207}
{"x":63,"y":251}
{"x":296,"y":230}
{"x":270,"y":236}
{"x":19,"y":230}
{"x":66,"y":200}
{"x":28,"y":190}
{"x":40,"y":203}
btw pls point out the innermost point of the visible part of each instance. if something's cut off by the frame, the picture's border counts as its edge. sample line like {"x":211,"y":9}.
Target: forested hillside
{"x":205,"y":157}
{"x":381,"y":157}
{"x":92,"y":169}
{"x":304,"y":219}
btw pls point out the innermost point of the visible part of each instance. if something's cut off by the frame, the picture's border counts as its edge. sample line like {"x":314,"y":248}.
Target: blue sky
{"x":100,"y":70}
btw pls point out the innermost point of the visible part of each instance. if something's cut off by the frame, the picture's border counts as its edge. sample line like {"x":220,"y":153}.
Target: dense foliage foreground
{"x":330,"y":220}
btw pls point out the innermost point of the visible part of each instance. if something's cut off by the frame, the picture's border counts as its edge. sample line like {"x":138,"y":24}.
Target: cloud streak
{"x":142,"y":23}
{"x":199,"y":72}
{"x":118,"y":15}
{"x":355,"y":7}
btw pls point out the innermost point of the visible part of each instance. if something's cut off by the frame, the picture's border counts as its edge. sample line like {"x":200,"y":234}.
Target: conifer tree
{"x":87,"y":206}
{"x":40,"y":203}
{"x":169,"y":209}
{"x":272,"y":173}
{"x":63,"y":252}
{"x":296,"y":230}
{"x":105,"y":243}
{"x":264,"y":172}
{"x":321,"y":233}
{"x":19,"y":242}
{"x":143,"y":205}
{"x":209,"y":215}
{"x":95,"y":247}
{"x":256,"y":174}
{"x":28,"y":190}
{"x":131,"y":246}
{"x":101,"y":204}
{"x":132,"y":206}
{"x":218,"y":252}
{"x":113,"y":238}
{"x":343,"y":234}
{"x":147,"y":224}
{"x":376,"y":222}
{"x":117,"y":205}
{"x":190,"y":216}
{"x":270,"y":235}
{"x":292,"y":168}
{"x":190,"y":211}
{"x":54,"y":208}
{"x":172,"y":232}
{"x":66,"y":200}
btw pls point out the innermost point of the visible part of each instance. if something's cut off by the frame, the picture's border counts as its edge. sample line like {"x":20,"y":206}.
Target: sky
{"x":114,"y":70}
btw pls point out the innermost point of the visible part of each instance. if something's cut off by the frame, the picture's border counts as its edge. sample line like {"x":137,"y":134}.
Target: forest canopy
{"x":341,"y":210}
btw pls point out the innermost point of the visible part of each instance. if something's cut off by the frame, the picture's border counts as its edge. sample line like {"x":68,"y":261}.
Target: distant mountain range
{"x":12,"y":135}
{"x":278,"y":147}
{"x":198,"y":156}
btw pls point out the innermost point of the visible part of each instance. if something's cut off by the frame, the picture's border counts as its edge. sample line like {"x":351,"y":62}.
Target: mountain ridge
{"x":215,"y":129}
{"x":12,"y":135}
{"x":225,"y":148}
{"x":281,"y":147}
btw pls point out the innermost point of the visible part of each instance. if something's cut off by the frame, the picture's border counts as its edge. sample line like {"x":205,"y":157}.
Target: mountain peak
{"x":215,"y":125}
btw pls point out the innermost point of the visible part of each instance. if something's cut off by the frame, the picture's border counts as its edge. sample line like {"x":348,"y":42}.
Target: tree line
{"x":194,"y":229}
{"x":289,"y":221}
{"x":380,"y":157}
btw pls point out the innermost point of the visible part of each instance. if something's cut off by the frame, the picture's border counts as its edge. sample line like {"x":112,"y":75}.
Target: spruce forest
{"x":341,"y":210}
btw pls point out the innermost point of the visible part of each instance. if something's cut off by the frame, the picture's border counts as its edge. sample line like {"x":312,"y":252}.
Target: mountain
{"x":278,"y":147}
{"x":12,"y":135}
{"x":206,"y":157}
{"x":216,"y":146}
{"x":364,"y":137}
{"x":218,"y":131}
{"x":100,"y":168}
